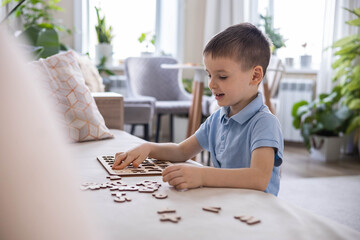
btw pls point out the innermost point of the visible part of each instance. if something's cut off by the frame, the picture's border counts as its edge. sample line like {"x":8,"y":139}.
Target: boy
{"x":243,"y":137}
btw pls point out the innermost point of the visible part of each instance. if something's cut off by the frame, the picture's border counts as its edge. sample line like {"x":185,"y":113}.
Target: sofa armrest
{"x":111,"y":107}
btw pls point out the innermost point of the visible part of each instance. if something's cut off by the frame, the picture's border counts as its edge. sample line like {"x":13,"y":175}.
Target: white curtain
{"x":220,"y":14}
{"x":334,"y":28}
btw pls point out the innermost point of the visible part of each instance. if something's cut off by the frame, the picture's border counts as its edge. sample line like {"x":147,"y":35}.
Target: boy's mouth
{"x":219,"y":95}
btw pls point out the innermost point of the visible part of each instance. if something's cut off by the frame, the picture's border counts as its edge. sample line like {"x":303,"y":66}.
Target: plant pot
{"x":147,"y":54}
{"x":325,"y":148}
{"x":305,"y":61}
{"x":103,"y":50}
{"x":348,"y":145}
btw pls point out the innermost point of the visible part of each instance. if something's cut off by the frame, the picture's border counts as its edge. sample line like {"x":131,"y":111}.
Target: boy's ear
{"x":257,"y":76}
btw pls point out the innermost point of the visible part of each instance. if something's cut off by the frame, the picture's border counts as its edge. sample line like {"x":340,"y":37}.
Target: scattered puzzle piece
{"x":250,"y":220}
{"x":253,"y":221}
{"x":170,"y":218}
{"x":160,"y":195}
{"x":120,"y":199}
{"x":212,"y":209}
{"x":118,"y":194}
{"x":166,"y":210}
{"x":147,"y":190}
{"x":113,"y":177}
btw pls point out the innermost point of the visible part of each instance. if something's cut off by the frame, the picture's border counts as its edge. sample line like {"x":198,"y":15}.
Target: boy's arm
{"x":163,"y":151}
{"x":256,"y":177}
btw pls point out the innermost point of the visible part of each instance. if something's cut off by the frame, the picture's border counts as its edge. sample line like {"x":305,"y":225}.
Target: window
{"x":128,"y":20}
{"x":299,"y":22}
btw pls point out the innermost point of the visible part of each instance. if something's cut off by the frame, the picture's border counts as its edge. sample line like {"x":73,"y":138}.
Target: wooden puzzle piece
{"x":147,"y":190}
{"x":118,"y":194}
{"x":170,"y":218}
{"x":212,"y":209}
{"x":114,"y":177}
{"x":120,"y":199}
{"x":166,"y":210}
{"x":83,"y":188}
{"x":253,"y":221}
{"x":160,"y":195}
{"x":250,"y":220}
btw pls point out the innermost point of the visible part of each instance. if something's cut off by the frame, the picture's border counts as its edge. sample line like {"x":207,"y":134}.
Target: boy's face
{"x":230,"y":85}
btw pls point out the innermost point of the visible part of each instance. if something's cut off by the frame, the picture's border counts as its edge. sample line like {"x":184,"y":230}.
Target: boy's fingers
{"x":126,"y":162}
{"x":177,"y":181}
{"x":119,"y":157}
{"x":139,"y":160}
{"x":174,"y":174}
{"x":170,"y":169}
{"x":181,"y":186}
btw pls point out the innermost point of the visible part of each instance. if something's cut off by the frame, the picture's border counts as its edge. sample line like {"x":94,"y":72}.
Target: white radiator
{"x":290,"y":92}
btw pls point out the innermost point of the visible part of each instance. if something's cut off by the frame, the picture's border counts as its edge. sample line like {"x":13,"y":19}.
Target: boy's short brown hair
{"x":243,"y":42}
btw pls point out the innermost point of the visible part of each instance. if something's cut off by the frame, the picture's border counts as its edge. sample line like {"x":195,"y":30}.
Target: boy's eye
{"x":209,"y":76}
{"x":223,"y":77}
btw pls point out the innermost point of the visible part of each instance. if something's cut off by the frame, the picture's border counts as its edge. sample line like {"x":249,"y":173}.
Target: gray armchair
{"x":146,"y":78}
{"x":139,"y":111}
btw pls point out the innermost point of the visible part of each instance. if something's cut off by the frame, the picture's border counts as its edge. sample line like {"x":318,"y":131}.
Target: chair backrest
{"x":146,"y":77}
{"x":274,"y":75}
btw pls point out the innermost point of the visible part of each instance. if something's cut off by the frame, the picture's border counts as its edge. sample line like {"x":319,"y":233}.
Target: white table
{"x":198,"y":89}
{"x":138,"y":219}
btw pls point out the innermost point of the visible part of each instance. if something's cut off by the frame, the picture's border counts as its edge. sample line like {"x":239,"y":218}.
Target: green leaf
{"x":330,"y":121}
{"x":354,"y":124}
{"x":355,"y":22}
{"x":4,"y":2}
{"x":346,"y":40}
{"x":46,"y":25}
{"x":142,"y":37}
{"x":31,"y":34}
{"x":343,"y":113}
{"x":348,"y":49}
{"x":296,"y":106}
{"x":49,"y":39}
{"x":354,"y":104}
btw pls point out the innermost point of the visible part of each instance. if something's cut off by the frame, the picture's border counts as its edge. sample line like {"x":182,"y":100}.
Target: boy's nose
{"x":211,"y":84}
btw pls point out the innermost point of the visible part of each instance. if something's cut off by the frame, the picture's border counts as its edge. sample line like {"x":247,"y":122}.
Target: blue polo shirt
{"x":231,"y":141}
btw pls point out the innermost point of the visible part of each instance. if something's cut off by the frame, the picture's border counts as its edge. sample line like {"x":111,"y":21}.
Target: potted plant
{"x":39,"y":27}
{"x":276,"y":38}
{"x":306,"y":59}
{"x":322,"y":123}
{"x":347,"y":73}
{"x":148,"y":40}
{"x":103,"y":49}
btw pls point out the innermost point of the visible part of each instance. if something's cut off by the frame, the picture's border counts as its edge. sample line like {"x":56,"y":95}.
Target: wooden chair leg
{"x":158,"y":123}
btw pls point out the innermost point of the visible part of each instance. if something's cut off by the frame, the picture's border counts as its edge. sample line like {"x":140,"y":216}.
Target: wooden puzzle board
{"x":150,"y":167}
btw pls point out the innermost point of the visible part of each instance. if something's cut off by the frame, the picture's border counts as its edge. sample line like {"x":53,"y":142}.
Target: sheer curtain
{"x":221,"y":14}
{"x":334,"y":29}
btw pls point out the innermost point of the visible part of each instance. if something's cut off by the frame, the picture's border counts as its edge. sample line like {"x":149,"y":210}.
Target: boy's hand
{"x":183,"y":176}
{"x":136,"y":156}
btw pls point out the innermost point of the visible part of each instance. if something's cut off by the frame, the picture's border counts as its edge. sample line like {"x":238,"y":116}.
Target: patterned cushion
{"x":73,"y":97}
{"x":91,"y":75}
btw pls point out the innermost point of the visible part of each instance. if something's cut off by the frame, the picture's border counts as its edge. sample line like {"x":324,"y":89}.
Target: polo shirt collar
{"x":246,"y":113}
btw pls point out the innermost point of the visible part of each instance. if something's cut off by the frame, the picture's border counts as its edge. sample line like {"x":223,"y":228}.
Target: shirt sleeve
{"x":267,"y":133}
{"x":202,"y":134}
